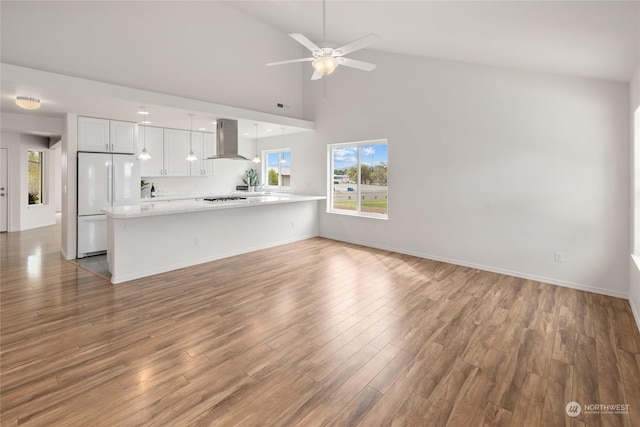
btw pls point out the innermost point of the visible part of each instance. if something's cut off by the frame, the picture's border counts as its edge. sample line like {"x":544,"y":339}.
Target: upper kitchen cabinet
{"x":106,"y":136}
{"x":93,"y":134}
{"x":204,"y":145}
{"x":169,"y":148}
{"x":176,"y":150}
{"x":123,"y":136}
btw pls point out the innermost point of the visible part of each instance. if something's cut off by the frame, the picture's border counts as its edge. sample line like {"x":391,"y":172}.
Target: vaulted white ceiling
{"x":598,"y":39}
{"x":183,"y":48}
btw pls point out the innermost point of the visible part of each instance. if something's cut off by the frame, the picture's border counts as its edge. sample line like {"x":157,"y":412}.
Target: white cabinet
{"x":123,"y":136}
{"x":176,"y":150}
{"x":169,"y":149}
{"x":106,"y":136}
{"x":204,"y":145}
{"x":93,"y":134}
{"x":153,"y":139}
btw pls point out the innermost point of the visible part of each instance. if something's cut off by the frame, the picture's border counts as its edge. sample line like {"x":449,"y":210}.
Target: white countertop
{"x":178,"y":207}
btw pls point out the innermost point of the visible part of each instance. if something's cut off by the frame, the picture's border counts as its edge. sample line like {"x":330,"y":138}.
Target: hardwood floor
{"x":312,"y":333}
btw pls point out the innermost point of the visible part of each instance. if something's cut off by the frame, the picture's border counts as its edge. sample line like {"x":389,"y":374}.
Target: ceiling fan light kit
{"x":325,"y":65}
{"x":326,"y":59}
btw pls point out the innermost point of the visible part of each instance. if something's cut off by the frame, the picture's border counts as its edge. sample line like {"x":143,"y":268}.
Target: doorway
{"x":4,"y":177}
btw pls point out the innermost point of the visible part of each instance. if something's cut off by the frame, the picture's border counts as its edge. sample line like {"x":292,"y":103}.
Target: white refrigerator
{"x":104,"y":180}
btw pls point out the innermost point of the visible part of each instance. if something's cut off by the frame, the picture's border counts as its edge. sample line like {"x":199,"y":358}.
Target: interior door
{"x":4,"y":178}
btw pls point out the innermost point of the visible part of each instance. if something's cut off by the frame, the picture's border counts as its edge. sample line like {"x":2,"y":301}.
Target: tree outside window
{"x":359,"y":181}
{"x":277,"y":168}
{"x":35,"y":177}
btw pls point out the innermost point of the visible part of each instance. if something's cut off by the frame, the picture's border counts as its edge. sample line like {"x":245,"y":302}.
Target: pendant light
{"x":282,"y":159}
{"x":256,"y":159}
{"x":144,"y":155}
{"x":191,"y":157}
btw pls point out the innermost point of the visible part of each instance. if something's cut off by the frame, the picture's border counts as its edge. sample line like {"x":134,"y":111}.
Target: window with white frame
{"x":276,"y":168}
{"x":358,"y":178}
{"x":636,"y":184}
{"x":35,"y":177}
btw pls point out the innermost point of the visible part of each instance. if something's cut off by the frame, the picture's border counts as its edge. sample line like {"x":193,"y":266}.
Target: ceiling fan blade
{"x":316,"y":75}
{"x":290,"y":61}
{"x":356,"y":45}
{"x":360,"y":65}
{"x":304,"y":41}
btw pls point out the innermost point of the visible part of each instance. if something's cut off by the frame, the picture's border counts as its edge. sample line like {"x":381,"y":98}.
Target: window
{"x":276,"y":170}
{"x":636,"y":183}
{"x":358,"y":179}
{"x":35,"y":177}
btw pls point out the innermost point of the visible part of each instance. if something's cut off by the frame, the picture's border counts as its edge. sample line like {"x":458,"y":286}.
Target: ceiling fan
{"x":326,"y":59}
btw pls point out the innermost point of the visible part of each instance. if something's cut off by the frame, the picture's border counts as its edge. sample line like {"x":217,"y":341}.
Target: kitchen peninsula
{"x":151,"y":238}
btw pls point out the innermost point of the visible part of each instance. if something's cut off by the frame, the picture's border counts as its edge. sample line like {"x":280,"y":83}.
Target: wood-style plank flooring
{"x":307,"y":334}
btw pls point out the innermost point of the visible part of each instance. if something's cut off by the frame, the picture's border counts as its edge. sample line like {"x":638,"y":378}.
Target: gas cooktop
{"x":223,"y":199}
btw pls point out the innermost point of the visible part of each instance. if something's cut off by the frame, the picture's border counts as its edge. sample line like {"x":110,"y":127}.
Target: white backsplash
{"x":227,"y":174}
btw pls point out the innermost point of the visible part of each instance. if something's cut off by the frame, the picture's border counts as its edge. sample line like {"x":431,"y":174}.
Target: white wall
{"x":31,"y":123}
{"x":21,"y":215}
{"x":306,"y":166}
{"x":56,"y":162}
{"x":203,"y":50}
{"x":634,"y":264}
{"x":488,"y":167}
{"x":68,"y":161}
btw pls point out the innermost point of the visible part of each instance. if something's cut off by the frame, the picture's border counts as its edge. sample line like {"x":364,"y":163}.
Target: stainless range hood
{"x":227,"y":140}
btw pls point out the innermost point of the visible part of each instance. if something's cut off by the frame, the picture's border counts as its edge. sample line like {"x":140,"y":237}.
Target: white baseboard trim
{"x":526,"y":276}
{"x":64,"y":255}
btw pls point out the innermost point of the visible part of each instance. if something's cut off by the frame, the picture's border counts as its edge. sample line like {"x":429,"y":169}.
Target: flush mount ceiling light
{"x":143,"y":111}
{"x":27,"y":102}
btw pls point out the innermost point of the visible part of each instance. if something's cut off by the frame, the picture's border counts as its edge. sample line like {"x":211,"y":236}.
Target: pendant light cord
{"x":191,"y":134}
{"x":144,"y":135}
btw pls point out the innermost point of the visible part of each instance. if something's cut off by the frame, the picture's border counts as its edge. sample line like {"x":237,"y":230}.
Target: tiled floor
{"x":96,"y":264}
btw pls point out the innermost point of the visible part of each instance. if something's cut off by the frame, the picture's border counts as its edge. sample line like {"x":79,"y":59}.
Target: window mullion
{"x":359,"y":181}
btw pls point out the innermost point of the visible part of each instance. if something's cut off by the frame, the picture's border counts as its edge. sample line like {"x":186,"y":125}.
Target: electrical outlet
{"x":293,"y":225}
{"x":197,"y":241}
{"x":558,"y":256}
